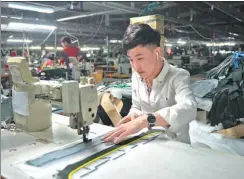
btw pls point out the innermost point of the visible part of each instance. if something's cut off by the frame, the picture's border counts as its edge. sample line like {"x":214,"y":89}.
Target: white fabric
{"x":170,"y":96}
{"x":20,"y":102}
{"x":204,"y":135}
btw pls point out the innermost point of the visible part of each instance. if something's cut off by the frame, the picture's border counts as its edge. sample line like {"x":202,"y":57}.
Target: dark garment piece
{"x":57,"y":73}
{"x":228,"y":106}
{"x":62,"y":153}
{"x":64,"y":174}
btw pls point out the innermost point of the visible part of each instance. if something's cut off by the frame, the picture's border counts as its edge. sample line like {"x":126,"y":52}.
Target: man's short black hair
{"x":140,"y":34}
{"x":66,"y":39}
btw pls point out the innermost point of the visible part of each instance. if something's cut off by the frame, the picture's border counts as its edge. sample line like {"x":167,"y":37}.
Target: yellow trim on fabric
{"x":95,"y":159}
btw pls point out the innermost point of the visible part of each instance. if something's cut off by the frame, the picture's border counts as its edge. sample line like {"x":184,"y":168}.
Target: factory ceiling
{"x":90,"y":22}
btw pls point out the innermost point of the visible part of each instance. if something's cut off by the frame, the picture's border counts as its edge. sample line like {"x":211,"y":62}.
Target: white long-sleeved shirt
{"x":170,"y":96}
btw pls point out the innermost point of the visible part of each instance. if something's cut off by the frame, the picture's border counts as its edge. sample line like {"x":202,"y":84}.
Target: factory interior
{"x":75,"y":104}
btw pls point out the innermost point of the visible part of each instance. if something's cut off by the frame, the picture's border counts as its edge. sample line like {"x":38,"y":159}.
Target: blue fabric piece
{"x":236,"y":56}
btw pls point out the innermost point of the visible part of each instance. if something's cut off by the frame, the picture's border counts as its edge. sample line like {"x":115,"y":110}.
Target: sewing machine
{"x":32,"y":100}
{"x":80,"y":67}
{"x":30,"y":113}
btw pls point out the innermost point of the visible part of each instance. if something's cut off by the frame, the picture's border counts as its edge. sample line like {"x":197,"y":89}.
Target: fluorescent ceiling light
{"x":49,"y":48}
{"x":168,"y":45}
{"x":16,"y":17}
{"x":220,"y":44}
{"x":89,"y":48}
{"x":233,"y":34}
{"x":115,"y":41}
{"x":232,"y":38}
{"x":230,"y":44}
{"x":17,"y":26}
{"x":30,"y":7}
{"x":19,"y":40}
{"x":53,"y":48}
{"x":12,"y":17}
{"x":3,"y":26}
{"x":59,"y":48}
{"x":35,"y":48}
{"x":181,"y":42}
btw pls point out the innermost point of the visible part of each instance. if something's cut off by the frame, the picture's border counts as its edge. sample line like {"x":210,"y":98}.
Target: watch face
{"x":151,"y":119}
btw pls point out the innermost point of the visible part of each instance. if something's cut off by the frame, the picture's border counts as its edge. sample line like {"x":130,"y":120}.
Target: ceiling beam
{"x":195,"y":5}
{"x":68,"y":26}
{"x":225,"y":9}
{"x":115,"y":5}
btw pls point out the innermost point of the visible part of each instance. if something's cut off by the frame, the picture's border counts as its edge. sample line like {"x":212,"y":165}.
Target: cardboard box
{"x":155,"y":21}
{"x":234,"y":132}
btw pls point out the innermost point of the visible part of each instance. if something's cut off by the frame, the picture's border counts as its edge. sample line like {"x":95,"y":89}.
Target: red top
{"x":25,"y":54}
{"x":71,"y":51}
{"x":61,"y":61}
{"x":13,"y":53}
{"x":6,"y":67}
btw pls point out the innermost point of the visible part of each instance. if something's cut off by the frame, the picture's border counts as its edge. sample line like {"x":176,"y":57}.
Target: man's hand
{"x":126,"y":129}
{"x":127,"y":118}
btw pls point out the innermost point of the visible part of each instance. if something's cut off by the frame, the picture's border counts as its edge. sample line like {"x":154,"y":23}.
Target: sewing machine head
{"x":19,"y":70}
{"x":81,"y":102}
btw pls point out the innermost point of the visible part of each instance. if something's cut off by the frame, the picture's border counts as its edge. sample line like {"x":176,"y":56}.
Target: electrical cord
{"x":199,"y":33}
{"x":96,"y":30}
{"x":28,"y":34}
{"x":189,"y":25}
{"x":47,"y":37}
{"x":73,"y":37}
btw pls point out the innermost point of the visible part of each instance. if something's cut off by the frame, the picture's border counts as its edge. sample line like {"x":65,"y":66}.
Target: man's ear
{"x":158,"y":52}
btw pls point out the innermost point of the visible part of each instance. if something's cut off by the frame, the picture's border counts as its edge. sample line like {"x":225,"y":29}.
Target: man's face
{"x":144,"y":60}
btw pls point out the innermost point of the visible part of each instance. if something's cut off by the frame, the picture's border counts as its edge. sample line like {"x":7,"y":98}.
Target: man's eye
{"x":140,"y":59}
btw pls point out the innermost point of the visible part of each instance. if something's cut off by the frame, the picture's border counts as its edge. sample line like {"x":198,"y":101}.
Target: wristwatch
{"x":151,"y":119}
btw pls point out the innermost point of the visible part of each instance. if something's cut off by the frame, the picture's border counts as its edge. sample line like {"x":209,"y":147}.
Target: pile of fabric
{"x":228,"y":96}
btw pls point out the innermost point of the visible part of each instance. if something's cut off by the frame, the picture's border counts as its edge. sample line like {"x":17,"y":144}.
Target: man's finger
{"x":124,"y":120}
{"x":114,"y":135}
{"x":122,"y":137}
{"x":109,"y":133}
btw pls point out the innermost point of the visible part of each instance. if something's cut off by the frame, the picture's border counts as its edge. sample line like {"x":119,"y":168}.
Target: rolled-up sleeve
{"x":136,"y":106}
{"x":185,"y":109}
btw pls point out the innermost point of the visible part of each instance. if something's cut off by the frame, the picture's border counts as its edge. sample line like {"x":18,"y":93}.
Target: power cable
{"x":96,"y":30}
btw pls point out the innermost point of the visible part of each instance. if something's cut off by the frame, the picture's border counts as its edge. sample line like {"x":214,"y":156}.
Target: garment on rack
{"x":228,"y":96}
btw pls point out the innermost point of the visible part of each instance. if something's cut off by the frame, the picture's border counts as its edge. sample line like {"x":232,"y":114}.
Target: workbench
{"x":159,"y":158}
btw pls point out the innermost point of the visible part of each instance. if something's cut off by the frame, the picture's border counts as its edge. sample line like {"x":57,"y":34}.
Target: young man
{"x":160,"y":92}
